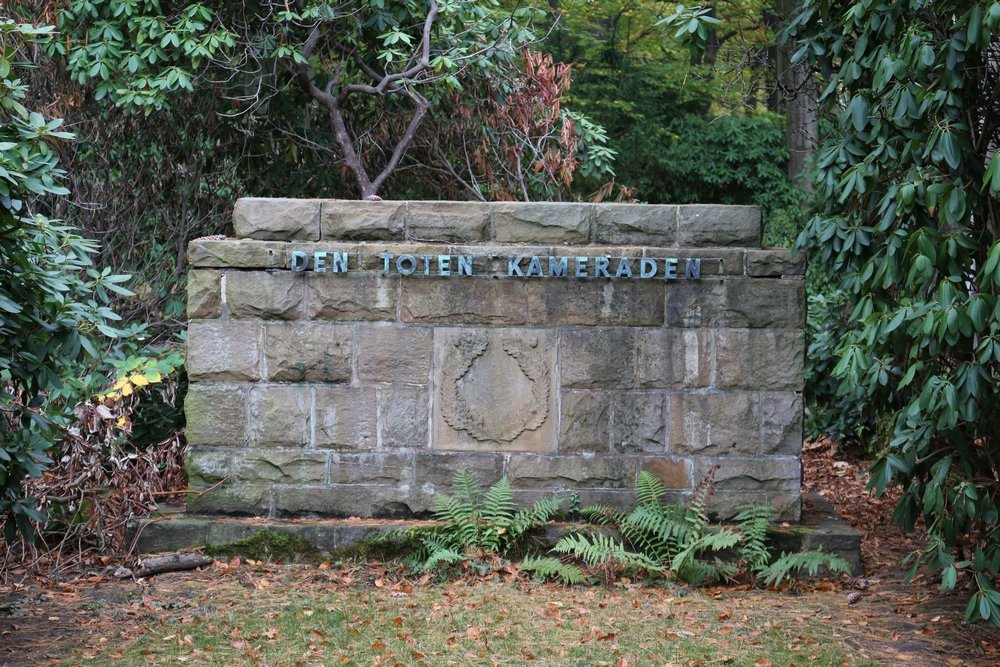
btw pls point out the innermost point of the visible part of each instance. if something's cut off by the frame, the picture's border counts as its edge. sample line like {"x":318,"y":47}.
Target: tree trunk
{"x":801,"y":107}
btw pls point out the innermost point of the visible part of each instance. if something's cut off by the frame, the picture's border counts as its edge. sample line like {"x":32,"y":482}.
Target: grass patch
{"x":315,"y":618}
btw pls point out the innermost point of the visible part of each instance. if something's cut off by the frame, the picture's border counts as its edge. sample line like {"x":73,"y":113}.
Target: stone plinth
{"x":347,"y":357}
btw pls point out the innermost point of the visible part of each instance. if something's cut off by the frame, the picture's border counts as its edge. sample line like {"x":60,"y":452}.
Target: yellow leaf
{"x":127,"y":390}
{"x":138,"y":380}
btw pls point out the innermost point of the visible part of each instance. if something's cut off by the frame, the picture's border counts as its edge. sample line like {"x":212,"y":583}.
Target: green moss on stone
{"x":269,"y":546}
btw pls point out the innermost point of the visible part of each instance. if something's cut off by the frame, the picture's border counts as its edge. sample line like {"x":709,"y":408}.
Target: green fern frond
{"x":600,"y":549}
{"x":466,"y":487}
{"x":525,"y":520}
{"x":700,"y":572}
{"x":649,"y":490}
{"x":754,"y":521}
{"x":602,"y":515}
{"x":553,"y":568}
{"x":789,"y":565}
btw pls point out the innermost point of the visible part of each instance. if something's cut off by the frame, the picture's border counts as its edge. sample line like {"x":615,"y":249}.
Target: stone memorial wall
{"x":346,"y":357}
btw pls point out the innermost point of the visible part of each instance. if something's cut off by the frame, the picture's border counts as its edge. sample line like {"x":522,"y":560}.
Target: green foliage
{"x":268,"y":546}
{"x":477,"y":525}
{"x":911,"y":231}
{"x":810,"y":562}
{"x":546,"y":567}
{"x":52,"y":301}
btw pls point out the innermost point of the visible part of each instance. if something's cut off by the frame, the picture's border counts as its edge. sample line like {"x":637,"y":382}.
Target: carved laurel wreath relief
{"x":494,"y":416}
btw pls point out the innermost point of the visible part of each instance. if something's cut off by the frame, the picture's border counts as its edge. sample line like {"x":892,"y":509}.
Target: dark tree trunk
{"x":799,"y":100}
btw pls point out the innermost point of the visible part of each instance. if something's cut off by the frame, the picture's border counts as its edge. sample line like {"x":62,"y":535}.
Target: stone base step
{"x":174,"y":529}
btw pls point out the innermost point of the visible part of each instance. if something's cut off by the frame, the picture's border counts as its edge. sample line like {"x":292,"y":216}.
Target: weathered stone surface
{"x":394,"y":354}
{"x":636,"y":224}
{"x":447,"y":221}
{"x":781,"y":423}
{"x":306,"y":352}
{"x":714,"y":261}
{"x":265,"y":295}
{"x":362,"y":220}
{"x":204,"y":294}
{"x":759,"y":474}
{"x":638,"y":423}
{"x":345,"y":417}
{"x":553,"y":472}
{"x":280,"y":416}
{"x":674,"y":358}
{"x":233,"y":498}
{"x":542,"y":222}
{"x":435,"y":471}
{"x":785,"y":506}
{"x":205,"y":467}
{"x":595,"y":302}
{"x":276,"y":219}
{"x":365,"y":296}
{"x":597,"y":358}
{"x":465,"y":301}
{"x":585,"y":422}
{"x":219,"y":350}
{"x":216,"y":414}
{"x":714,"y":225}
{"x":371,"y":468}
{"x":370,"y":500}
{"x":230,"y":253}
{"x":775,"y":262}
{"x":281,"y":466}
{"x":754,"y":303}
{"x":674,"y":473}
{"x":713,"y":424}
{"x":403,"y":416}
{"x":495,"y":389}
{"x":759,"y":359}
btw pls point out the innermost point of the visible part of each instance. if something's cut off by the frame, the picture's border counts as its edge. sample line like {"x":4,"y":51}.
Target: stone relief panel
{"x":494,"y":390}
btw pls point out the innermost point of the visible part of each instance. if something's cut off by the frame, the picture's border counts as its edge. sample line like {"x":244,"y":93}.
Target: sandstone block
{"x":344,"y":500}
{"x":345,"y":417}
{"x":230,"y":253}
{"x":265,"y":295}
{"x":447,"y":221}
{"x":495,"y":389}
{"x":435,"y":471}
{"x":281,"y":466}
{"x":362,"y":220}
{"x":785,"y":506}
{"x":781,"y":423}
{"x":674,"y":473}
{"x":365,"y":296}
{"x":775,"y":262}
{"x":216,"y":414}
{"x":674,"y":358}
{"x":306,"y":352}
{"x":394,"y":354}
{"x":206,"y":467}
{"x":597,"y":358}
{"x":595,"y":302}
{"x":390,"y":468}
{"x":403,"y":416}
{"x":761,"y":474}
{"x":751,"y":302}
{"x":425,"y":254}
{"x":713,"y":424}
{"x":230,"y":498}
{"x":759,"y":359}
{"x":714,"y":225}
{"x":622,"y":224}
{"x":638,"y":423}
{"x":276,"y":219}
{"x":204,"y":294}
{"x":280,"y":416}
{"x":584,"y":422}
{"x":468,"y":301}
{"x":554,"y":472}
{"x":219,"y":350}
{"x":542,"y":222}
{"x":714,"y":261}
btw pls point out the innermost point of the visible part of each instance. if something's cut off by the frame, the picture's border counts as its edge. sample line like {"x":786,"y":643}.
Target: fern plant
{"x":476,"y":525}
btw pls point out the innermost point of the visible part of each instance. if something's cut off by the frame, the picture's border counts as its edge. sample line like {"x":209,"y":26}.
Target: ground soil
{"x":88,"y":618}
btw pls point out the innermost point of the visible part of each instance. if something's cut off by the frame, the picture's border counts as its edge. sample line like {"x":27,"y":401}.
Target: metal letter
{"x":385,"y":257}
{"x":692,"y":269}
{"x":465,"y":265}
{"x":647,"y":267}
{"x":534,"y":266}
{"x":300,"y":260}
{"x":340,"y":262}
{"x":624,"y":268}
{"x":558,"y":266}
{"x":514,"y":266}
{"x":601,"y":266}
{"x":581,"y":267}
{"x":444,"y":265}
{"x":427,"y":263}
{"x":319,"y":262}
{"x":670,"y":268}
{"x":411,"y":260}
